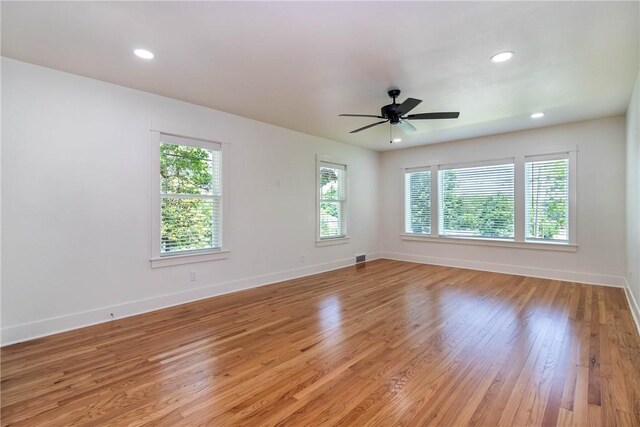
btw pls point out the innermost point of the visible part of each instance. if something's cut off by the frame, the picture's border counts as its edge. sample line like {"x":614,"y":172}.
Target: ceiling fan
{"x":396,"y":114}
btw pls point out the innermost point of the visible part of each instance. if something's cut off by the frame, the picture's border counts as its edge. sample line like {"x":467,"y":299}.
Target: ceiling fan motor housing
{"x":389,"y":111}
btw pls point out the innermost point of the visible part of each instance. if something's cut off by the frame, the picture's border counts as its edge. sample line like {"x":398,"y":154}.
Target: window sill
{"x":546,"y":246}
{"x":168,"y":261}
{"x":334,"y":241}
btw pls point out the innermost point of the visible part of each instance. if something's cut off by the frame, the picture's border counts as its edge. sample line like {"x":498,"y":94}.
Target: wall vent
{"x":360,"y":258}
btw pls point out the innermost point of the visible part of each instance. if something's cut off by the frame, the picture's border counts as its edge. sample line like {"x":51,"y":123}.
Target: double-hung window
{"x":332,"y":181}
{"x":190,"y":190}
{"x":547,"y":198}
{"x":417,"y":201}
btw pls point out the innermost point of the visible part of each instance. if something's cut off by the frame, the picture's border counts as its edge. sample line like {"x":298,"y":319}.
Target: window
{"x":417,"y":200}
{"x":190,"y":195}
{"x":332,"y":178}
{"x":477,"y":201}
{"x":527,"y":201}
{"x":547,"y":198}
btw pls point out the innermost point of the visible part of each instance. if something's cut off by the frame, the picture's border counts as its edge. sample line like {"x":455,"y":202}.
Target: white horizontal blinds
{"x":333,"y":198}
{"x":547,"y":198}
{"x":190,"y":195}
{"x":417,"y":199}
{"x":477,"y":201}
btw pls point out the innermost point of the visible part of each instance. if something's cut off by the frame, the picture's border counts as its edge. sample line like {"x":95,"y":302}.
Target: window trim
{"x":481,"y":241}
{"x":344,"y":238}
{"x":519,"y":240}
{"x":157,"y":259}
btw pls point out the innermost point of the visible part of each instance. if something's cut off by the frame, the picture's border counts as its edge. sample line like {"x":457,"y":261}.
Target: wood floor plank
{"x":384,"y":343}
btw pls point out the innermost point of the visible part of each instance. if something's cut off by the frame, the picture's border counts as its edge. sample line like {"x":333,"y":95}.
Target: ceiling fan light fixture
{"x":538,"y":115}
{"x":502,"y":56}
{"x":143,"y":53}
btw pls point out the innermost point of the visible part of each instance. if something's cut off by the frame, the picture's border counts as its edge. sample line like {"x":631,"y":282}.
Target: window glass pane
{"x":547,"y":199}
{"x":477,"y":201}
{"x":190,"y":196}
{"x":418,"y":202}
{"x":331,"y":219}
{"x":187,"y":170}
{"x":188,"y":224}
{"x":332,"y":183}
{"x":333,"y":196}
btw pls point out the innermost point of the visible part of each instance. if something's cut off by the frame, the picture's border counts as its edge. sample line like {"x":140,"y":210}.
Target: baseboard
{"x":41,"y":328}
{"x":519,"y":270}
{"x":633,"y":305}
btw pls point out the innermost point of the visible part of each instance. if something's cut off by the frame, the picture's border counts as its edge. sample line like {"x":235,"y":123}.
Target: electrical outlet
{"x":277,"y":182}
{"x":193,"y":276}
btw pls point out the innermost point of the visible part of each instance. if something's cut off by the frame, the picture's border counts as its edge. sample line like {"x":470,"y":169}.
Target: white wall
{"x":77,"y":201}
{"x":633,"y":198}
{"x":600,"y":215}
{"x":76,"y":172}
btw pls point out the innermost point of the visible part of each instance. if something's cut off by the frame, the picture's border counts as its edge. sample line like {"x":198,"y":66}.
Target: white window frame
{"x":166,"y":260}
{"x":519,"y":240}
{"x":322,"y":159}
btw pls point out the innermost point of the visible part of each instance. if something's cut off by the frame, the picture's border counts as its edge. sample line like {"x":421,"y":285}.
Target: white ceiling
{"x":298,"y":65}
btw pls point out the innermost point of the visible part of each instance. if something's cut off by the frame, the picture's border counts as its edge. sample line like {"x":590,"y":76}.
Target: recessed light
{"x":537,"y":115}
{"x":397,"y":140}
{"x":143,"y":53}
{"x":502,"y":56}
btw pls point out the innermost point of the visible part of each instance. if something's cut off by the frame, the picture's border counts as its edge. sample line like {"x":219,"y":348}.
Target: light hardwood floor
{"x":385,"y":343}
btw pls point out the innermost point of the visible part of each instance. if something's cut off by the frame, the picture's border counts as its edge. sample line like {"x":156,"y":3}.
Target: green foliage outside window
{"x":419,"y":188}
{"x":475,"y":215}
{"x":330,"y":205}
{"x":547,"y":199}
{"x":188,"y":223}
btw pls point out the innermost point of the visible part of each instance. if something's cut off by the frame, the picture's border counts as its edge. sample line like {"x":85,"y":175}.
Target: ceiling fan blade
{"x":408,"y":105}
{"x":431,"y":116}
{"x":369,"y":126}
{"x":407,"y":127}
{"x":360,"y":115}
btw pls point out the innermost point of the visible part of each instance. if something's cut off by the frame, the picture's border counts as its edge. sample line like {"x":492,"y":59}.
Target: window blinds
{"x":417,"y":199}
{"x":190,"y":195}
{"x":547,"y":197}
{"x":333,"y":200}
{"x":477,"y":201}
